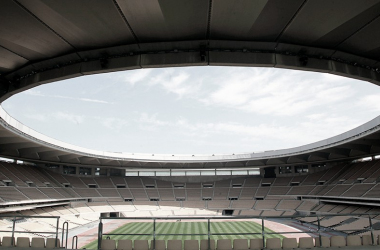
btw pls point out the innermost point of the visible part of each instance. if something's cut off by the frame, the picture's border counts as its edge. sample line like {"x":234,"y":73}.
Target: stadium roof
{"x":45,"y":41}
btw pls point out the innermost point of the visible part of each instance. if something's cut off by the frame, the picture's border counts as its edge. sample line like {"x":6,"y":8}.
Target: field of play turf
{"x":217,"y":229}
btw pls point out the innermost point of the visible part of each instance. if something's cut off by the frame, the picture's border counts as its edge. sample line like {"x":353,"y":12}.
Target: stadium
{"x":53,"y":194}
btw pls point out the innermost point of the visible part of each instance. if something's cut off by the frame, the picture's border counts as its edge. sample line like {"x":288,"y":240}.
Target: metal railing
{"x":318,"y":229}
{"x":65,"y":228}
{"x":15,"y":219}
{"x":74,"y":241}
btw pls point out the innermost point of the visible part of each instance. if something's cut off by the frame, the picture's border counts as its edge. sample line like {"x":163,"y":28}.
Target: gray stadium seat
{"x":240,"y":244}
{"x":38,"y":242}
{"x":140,"y":245}
{"x":159,"y":244}
{"x":204,"y":244}
{"x":108,"y":244}
{"x":224,"y":244}
{"x":191,"y":245}
{"x":23,"y":242}
{"x":174,"y":244}
{"x":124,"y":245}
{"x":325,"y":241}
{"x":7,"y":241}
{"x":338,"y":241}
{"x":306,"y":242}
{"x":367,"y":240}
{"x":289,"y":243}
{"x":354,"y":240}
{"x":256,"y":244}
{"x":50,"y":242}
{"x":273,"y":243}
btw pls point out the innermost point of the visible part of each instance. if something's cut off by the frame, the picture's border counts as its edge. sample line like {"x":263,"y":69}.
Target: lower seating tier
{"x":242,"y":244}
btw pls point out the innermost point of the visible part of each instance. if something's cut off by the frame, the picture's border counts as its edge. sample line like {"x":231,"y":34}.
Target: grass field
{"x":236,"y":227}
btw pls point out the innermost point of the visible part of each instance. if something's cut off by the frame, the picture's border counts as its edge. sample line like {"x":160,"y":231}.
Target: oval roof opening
{"x":196,"y":110}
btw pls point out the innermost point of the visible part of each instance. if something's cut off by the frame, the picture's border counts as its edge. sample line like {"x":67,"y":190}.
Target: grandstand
{"x":340,"y":205}
{"x":326,"y":193}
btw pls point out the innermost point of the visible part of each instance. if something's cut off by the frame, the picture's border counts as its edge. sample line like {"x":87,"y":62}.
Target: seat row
{"x":241,"y":244}
{"x":36,"y":242}
{"x":351,"y":240}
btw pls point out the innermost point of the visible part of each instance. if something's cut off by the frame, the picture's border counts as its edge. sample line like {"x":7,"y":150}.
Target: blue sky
{"x":196,"y":110}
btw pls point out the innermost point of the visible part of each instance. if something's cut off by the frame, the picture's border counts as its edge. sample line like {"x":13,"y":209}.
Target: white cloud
{"x":77,"y":119}
{"x":370,"y":102}
{"x":334,"y":78}
{"x":314,"y":117}
{"x":38,"y":117}
{"x":263,"y":136}
{"x":89,"y":100}
{"x":113,"y":123}
{"x":135,"y":76}
{"x":324,"y":126}
{"x":34,"y":92}
{"x":78,"y":99}
{"x":333,"y":94}
{"x":150,"y":122}
{"x":290,"y":93}
{"x":151,"y":119}
{"x":175,"y":81}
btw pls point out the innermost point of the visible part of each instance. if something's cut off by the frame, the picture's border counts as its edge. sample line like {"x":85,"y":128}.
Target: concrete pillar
{"x":262,"y":172}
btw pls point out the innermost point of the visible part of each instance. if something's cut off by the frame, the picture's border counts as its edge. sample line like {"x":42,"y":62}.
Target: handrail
{"x":13,"y":231}
{"x":63,"y":231}
{"x":56,"y":234}
{"x":29,"y":216}
{"x":371,"y":227}
{"x":233,"y":217}
{"x":319,"y":231}
{"x":154,"y":234}
{"x":100,"y":233}
{"x":208,"y":235}
{"x":76,"y":242}
{"x":262,"y":231}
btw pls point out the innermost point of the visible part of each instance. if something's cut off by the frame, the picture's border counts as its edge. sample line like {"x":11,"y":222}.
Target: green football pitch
{"x":217,"y":229}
